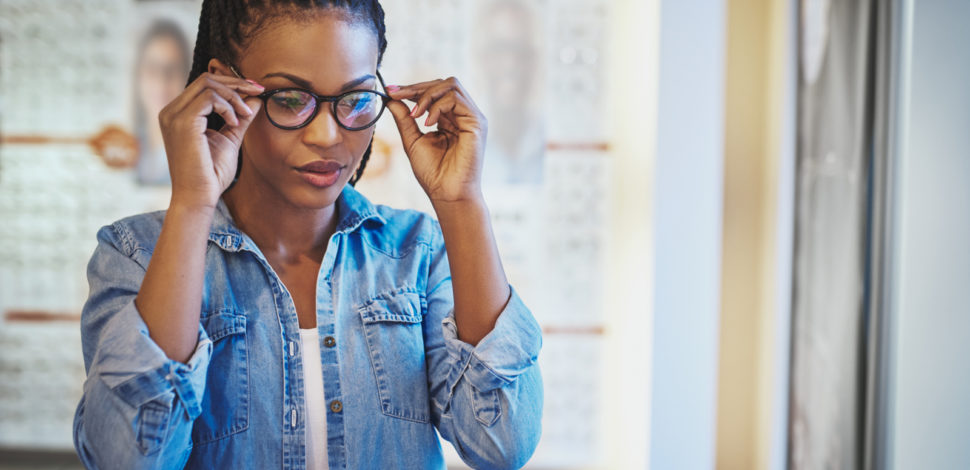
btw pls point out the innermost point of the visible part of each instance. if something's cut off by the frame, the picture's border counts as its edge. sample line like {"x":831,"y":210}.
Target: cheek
{"x":266,"y":142}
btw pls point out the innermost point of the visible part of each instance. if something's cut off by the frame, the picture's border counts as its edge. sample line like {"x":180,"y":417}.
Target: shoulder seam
{"x":124,"y":236}
{"x":129,"y":244}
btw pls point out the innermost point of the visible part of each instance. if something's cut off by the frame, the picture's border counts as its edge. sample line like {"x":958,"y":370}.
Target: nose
{"x":323,"y":131}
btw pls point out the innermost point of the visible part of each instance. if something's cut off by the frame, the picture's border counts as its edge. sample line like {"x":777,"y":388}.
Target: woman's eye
{"x":355,"y":102}
{"x":291,"y":100}
{"x":349,"y":102}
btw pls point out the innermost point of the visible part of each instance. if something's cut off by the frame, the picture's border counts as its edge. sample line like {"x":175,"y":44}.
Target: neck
{"x":280,"y":229}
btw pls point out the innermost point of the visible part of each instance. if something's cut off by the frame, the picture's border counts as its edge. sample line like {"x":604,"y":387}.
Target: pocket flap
{"x":401,"y":307}
{"x":222,"y":323}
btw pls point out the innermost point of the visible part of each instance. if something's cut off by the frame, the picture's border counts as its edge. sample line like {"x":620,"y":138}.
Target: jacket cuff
{"x":507,"y":351}
{"x":133,"y":366}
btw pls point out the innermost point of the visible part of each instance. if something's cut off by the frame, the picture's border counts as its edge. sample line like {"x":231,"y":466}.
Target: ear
{"x":217,"y":67}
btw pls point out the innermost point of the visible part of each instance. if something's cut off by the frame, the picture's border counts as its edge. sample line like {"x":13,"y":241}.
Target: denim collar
{"x":353,"y":210}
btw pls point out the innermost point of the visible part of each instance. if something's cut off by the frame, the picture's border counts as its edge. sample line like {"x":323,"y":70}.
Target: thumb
{"x":236,"y":133}
{"x":406,"y":125}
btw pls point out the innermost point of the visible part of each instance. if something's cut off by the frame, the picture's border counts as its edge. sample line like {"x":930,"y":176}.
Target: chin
{"x":316,"y":198}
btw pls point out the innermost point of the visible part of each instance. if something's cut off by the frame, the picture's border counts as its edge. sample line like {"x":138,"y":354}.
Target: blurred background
{"x":742,"y":224}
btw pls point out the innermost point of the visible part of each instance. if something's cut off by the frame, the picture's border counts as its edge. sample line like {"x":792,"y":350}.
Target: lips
{"x":321,"y":166}
{"x":321,"y":173}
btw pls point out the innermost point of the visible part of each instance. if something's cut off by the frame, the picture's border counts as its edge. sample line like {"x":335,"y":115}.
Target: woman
{"x":332,"y":333}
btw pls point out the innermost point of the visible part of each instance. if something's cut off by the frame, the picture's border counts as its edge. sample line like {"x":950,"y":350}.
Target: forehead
{"x":160,"y":45}
{"x":327,"y":49}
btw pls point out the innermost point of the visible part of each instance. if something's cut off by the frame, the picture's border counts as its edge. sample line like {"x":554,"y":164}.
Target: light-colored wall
{"x":931,"y":384}
{"x":634,"y":49}
{"x":745,"y":219}
{"x":758,"y":216}
{"x":687,"y":202}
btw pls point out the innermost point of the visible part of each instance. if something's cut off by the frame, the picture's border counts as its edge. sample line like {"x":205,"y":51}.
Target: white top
{"x":316,"y":413}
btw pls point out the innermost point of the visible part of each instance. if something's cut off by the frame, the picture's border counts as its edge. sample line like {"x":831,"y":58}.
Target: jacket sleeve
{"x":138,"y":405}
{"x":485,"y":399}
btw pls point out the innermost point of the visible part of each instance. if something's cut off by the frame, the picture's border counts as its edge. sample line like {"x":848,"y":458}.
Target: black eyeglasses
{"x":294,"y":108}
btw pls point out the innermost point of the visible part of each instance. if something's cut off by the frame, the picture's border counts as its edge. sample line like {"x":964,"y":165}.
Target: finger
{"x":236,"y":133}
{"x":406,"y":125}
{"x":412,"y":92}
{"x":230,"y":94}
{"x":241,"y":84}
{"x":453,"y":113}
{"x":210,"y":102}
{"x":240,"y":105}
{"x":409,"y":92}
{"x":463,"y":107}
{"x":223,"y":108}
{"x":457,"y":113}
{"x":443,"y":106}
{"x":429,"y":96}
{"x":466,"y":98}
{"x":225,"y":84}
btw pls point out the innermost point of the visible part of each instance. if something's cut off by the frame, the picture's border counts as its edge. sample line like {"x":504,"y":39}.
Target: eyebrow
{"x":308,"y":85}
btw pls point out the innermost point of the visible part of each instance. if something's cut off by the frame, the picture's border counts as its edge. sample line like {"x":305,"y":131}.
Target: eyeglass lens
{"x":291,"y":108}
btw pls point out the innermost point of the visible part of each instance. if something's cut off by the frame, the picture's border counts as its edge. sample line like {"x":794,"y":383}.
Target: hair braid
{"x":363,"y":163}
{"x":201,"y":55}
{"x":377,"y":15}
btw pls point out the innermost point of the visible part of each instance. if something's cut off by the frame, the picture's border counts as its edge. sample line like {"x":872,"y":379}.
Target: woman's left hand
{"x":447,"y":162}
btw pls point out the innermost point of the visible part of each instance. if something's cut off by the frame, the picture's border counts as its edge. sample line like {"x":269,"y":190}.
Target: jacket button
{"x":329,"y":342}
{"x":336,"y":406}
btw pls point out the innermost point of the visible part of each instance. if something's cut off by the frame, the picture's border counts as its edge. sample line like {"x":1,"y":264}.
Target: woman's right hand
{"x":202,"y":162}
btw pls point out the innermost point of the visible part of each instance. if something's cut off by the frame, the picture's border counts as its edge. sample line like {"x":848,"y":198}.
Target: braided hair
{"x":227,"y":26}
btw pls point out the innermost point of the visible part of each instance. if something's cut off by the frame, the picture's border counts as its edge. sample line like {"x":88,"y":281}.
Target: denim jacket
{"x":394,"y":369}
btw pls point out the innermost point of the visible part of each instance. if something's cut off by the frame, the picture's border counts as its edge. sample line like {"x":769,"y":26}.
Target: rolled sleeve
{"x":138,"y":405}
{"x":117,"y":346}
{"x":132,"y":365}
{"x":510,"y":349}
{"x":487,"y":398}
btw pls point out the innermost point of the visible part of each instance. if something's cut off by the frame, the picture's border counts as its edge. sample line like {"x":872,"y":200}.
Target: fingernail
{"x":414,"y":112}
{"x":427,"y":122}
{"x":393,"y":88}
{"x":256,"y":84}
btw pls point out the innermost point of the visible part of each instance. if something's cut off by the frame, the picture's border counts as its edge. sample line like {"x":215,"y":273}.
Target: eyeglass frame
{"x":319,"y":99}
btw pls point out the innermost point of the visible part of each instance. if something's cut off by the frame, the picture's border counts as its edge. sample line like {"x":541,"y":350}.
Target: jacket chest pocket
{"x":225,"y":405}
{"x":393,"y":332}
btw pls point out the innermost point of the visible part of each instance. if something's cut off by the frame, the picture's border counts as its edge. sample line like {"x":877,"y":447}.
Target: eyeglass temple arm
{"x":381,"y":79}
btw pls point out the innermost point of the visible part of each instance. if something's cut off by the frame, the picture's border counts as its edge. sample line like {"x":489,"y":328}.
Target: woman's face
{"x":161,"y":73}
{"x":327,"y":55}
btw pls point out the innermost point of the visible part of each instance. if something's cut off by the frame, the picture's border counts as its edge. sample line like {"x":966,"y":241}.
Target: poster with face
{"x":83,"y":82}
{"x":507,"y":48}
{"x":163,"y":40}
